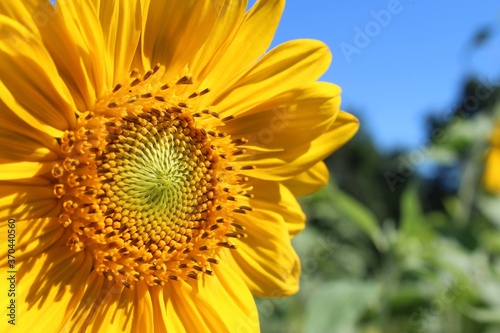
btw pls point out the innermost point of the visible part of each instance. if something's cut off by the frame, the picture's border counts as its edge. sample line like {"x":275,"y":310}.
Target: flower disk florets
{"x":145,"y":189}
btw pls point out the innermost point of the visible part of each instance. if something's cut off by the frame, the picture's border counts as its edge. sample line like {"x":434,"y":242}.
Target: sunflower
{"x":491,"y":177}
{"x":151,"y":156}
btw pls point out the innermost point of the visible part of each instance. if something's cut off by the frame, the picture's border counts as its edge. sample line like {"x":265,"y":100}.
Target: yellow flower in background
{"x":491,"y":175}
{"x":151,"y":156}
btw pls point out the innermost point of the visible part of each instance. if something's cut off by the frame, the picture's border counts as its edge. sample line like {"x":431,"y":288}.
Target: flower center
{"x":150,"y":192}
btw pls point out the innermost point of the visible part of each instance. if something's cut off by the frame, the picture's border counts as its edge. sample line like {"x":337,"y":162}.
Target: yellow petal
{"x":219,"y":303}
{"x":122,"y":26}
{"x":275,"y":197}
{"x":290,"y":119}
{"x":175,"y":31}
{"x":97,"y":289}
{"x":234,"y":56}
{"x":491,"y":175}
{"x":15,"y":195}
{"x":342,"y":130}
{"x":143,"y":318}
{"x":20,"y":10}
{"x":49,"y":286}
{"x":48,"y":23}
{"x":159,"y":312}
{"x":16,"y":147}
{"x":308,"y":181}
{"x":32,"y":236}
{"x":288,"y":66}
{"x":106,"y":306}
{"x":81,"y":29}
{"x":282,"y":165}
{"x":225,"y":29}
{"x":12,"y":125}
{"x":115,"y":312}
{"x":24,"y":202}
{"x":76,"y":64}
{"x":22,"y":170}
{"x":32,"y":210}
{"x":30,"y":84}
{"x":266,"y":259}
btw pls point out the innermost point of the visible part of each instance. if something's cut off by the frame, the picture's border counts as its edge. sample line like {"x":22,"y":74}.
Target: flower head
{"x":151,"y":159}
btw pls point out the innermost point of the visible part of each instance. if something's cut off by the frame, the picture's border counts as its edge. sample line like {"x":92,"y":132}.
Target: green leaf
{"x":484,"y":315}
{"x":463,"y":134}
{"x":351,"y":210}
{"x":442,"y":155}
{"x":337,"y":306}
{"x":413,"y":220}
{"x":490,"y":207}
{"x":411,"y":209}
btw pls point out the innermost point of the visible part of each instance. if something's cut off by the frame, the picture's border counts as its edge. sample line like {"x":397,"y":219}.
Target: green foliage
{"x":421,"y":257}
{"x":342,"y":301}
{"x":350,"y":209}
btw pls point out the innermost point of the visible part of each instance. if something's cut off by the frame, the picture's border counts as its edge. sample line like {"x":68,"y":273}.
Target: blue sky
{"x":409,"y":63}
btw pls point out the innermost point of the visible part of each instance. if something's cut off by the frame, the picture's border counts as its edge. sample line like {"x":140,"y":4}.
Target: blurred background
{"x":406,"y":237}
